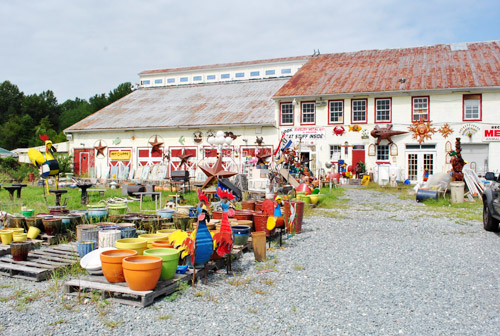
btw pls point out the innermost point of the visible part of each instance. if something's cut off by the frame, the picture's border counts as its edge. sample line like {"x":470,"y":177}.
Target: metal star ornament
{"x":445,"y":130}
{"x":422,"y":130}
{"x":100,"y":149}
{"x":215,"y":172}
{"x":155,"y":144}
{"x":184,"y":158}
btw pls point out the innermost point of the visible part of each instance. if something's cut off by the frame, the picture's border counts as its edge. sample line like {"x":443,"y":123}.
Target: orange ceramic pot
{"x":142,"y":272}
{"x":112,"y":264}
{"x":161,"y":244}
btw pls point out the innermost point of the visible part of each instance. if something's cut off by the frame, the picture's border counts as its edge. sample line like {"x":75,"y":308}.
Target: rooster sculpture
{"x":224,"y":238}
{"x":46,"y":162}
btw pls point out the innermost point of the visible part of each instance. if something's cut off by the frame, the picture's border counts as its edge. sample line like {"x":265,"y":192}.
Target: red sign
{"x":491,"y":133}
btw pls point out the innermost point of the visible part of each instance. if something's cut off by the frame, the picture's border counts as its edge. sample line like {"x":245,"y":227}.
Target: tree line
{"x":23,"y":117}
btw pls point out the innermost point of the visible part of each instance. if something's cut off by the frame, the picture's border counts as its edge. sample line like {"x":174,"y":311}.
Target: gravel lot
{"x":380,"y":266}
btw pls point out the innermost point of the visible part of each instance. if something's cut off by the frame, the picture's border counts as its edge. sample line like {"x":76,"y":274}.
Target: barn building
{"x":327,"y":104}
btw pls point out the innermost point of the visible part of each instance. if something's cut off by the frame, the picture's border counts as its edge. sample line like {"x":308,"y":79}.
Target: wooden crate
{"x":40,"y":264}
{"x":119,"y":292}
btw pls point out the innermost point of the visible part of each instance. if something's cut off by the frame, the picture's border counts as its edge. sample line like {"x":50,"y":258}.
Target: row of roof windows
{"x":199,"y":78}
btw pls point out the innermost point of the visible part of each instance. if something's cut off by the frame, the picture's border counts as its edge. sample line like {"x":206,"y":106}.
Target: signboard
{"x":491,"y":133}
{"x":116,"y":155}
{"x":305,"y":133}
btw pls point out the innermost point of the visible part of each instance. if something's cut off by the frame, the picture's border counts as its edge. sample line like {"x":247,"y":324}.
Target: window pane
{"x":337,"y":112}
{"x":270,"y":72}
{"x":382,"y":152}
{"x":308,"y":111}
{"x":184,"y":79}
{"x":240,"y":74}
{"x":158,"y":81}
{"x":286,"y":71}
{"x":210,"y":77}
{"x":254,"y":73}
{"x":197,"y":78}
{"x":472,"y":109}
{"x":383,"y":110}
{"x":224,"y":76}
{"x":171,"y":80}
{"x":286,"y":113}
{"x":420,"y":108}
{"x":359,"y":110}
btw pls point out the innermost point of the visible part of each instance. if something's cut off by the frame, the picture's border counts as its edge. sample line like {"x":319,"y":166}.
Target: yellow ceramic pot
{"x":151,"y":237}
{"x":33,"y":232}
{"x":19,"y":236}
{"x":6,"y":237}
{"x":136,"y":244}
{"x":16,"y":230}
{"x":166,"y":231}
{"x":314,"y":198}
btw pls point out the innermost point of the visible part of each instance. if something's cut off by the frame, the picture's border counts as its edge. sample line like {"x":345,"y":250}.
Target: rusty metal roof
{"x":226,"y":65}
{"x":444,"y":66}
{"x":238,"y":103}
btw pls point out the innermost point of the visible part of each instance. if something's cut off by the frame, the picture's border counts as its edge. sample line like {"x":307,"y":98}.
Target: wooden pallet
{"x":40,"y":264}
{"x":120,"y":293}
{"x":5,"y":249}
{"x":54,"y":240}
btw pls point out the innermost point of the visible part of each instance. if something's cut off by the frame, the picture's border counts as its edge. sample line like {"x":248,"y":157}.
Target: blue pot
{"x":165,"y":213}
{"x":97,"y":214}
{"x":241,"y":234}
{"x":128,"y":232}
{"x":84,"y":247}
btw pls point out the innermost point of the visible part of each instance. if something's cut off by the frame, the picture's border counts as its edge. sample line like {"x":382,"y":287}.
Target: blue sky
{"x":80,"y":48}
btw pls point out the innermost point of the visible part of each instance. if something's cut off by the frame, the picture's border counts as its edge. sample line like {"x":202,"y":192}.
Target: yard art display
{"x":422,"y":130}
{"x":223,"y":238}
{"x":155,"y":144}
{"x":354,"y":128}
{"x":457,"y":162}
{"x":46,"y":162}
{"x":385,"y":133}
{"x":100,"y":149}
{"x":215,"y":172}
{"x":339,"y":130}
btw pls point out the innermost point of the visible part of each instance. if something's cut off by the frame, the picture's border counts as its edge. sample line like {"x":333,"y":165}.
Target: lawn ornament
{"x":201,"y":247}
{"x":457,"y":162}
{"x":100,"y":149}
{"x":385,"y":133}
{"x":291,"y":219}
{"x":422,"y":130}
{"x":445,"y":130}
{"x":224,"y":237}
{"x":275,"y":219}
{"x":46,"y":162}
{"x":204,"y":201}
{"x":215,"y":172}
{"x":261,"y":157}
{"x":259,"y":140}
{"x":339,"y":130}
{"x":198,"y":136}
{"x":354,"y":128}
{"x":182,"y":140}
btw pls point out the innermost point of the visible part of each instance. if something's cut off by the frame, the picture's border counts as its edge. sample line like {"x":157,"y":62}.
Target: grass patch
{"x":252,"y":311}
{"x":332,"y":199}
{"x":386,"y":189}
{"x":164,"y":317}
{"x":239,"y":281}
{"x":298,"y":267}
{"x":57,"y":322}
{"x":183,"y":286}
{"x":270,"y":264}
{"x":269,"y":282}
{"x":462,"y":212}
{"x":260,"y":291}
{"x":6,"y":286}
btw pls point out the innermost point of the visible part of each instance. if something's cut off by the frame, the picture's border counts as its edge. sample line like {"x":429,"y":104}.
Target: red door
{"x":358,"y":154}
{"x":84,"y":163}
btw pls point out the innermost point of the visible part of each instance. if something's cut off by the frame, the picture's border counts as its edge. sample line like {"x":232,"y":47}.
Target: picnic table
{"x":154,"y":195}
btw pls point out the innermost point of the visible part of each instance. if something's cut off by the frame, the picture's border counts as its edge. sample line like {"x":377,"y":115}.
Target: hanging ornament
{"x":100,"y":148}
{"x":339,"y":130}
{"x":354,"y":128}
{"x":422,"y":130}
{"x":445,"y":130}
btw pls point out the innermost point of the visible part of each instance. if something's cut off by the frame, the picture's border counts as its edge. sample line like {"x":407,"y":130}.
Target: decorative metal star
{"x":261,"y":157}
{"x":100,"y":149}
{"x":155,"y":144}
{"x":184,"y":158}
{"x":215,"y":172}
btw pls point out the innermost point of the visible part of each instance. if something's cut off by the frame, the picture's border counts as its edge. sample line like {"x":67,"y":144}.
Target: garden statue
{"x":46,"y":162}
{"x":457,"y":162}
{"x":201,"y":247}
{"x":224,"y":238}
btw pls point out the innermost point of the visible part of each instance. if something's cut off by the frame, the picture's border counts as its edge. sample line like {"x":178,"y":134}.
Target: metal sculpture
{"x":46,"y":162}
{"x":354,"y":128}
{"x":339,"y":130}
{"x":201,"y":247}
{"x":215,"y":172}
{"x":385,"y":133}
{"x":457,"y":162}
{"x":445,"y":130}
{"x":100,"y":149}
{"x":224,"y":238}
{"x":422,"y":130}
{"x":155,"y":144}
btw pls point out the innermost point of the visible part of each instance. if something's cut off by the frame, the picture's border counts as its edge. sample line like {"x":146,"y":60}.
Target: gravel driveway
{"x":379,"y":265}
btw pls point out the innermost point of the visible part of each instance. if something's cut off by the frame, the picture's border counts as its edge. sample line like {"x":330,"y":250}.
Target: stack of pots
{"x":87,"y":236}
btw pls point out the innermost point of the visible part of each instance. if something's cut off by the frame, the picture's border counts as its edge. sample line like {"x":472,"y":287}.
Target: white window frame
{"x":286,"y":113}
{"x":387,"y":110}
{"x":356,"y":111}
{"x":339,"y":114}
{"x":383,"y":152}
{"x":308,"y":113}
{"x":469,"y":105}
{"x":417,"y":106}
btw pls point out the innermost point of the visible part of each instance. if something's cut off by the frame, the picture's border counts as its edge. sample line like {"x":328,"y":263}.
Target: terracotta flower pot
{"x":142,"y":272}
{"x":248,"y":205}
{"x":161,"y":244}
{"x":112,"y":264}
{"x":20,"y":250}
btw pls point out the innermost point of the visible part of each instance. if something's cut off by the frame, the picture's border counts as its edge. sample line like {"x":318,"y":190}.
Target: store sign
{"x":305,"y":133}
{"x":491,"y":133}
{"x":120,"y":155}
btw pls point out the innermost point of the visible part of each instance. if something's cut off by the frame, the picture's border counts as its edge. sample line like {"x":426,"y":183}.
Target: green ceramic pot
{"x":170,"y":259}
